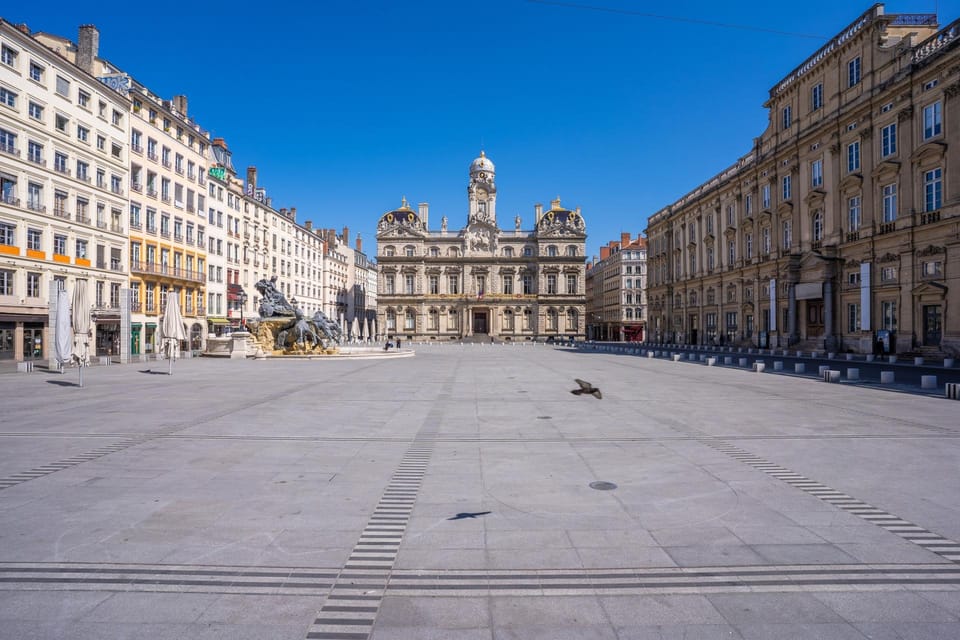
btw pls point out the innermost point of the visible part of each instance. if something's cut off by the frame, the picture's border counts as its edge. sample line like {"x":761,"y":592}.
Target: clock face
{"x":483,"y":175}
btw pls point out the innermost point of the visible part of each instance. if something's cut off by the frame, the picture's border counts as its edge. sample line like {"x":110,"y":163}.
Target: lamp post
{"x":243,"y":303}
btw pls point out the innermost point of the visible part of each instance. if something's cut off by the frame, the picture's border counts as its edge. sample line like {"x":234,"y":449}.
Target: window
{"x":853,"y":72}
{"x":391,"y":320}
{"x":731,"y":253}
{"x":101,"y":143}
{"x":888,"y":140}
{"x":853,"y":317}
{"x":528,"y":251}
{"x":81,"y":248}
{"x":117,"y":118}
{"x":816,"y":173}
{"x":818,"y":226}
{"x":748,"y":246}
{"x":61,"y":122}
{"x":8,"y":234}
{"x":60,"y":162}
{"x":787,"y":234}
{"x":35,"y":152}
{"x":765,"y":196}
{"x":890,"y":202}
{"x":60,"y":244}
{"x":34,"y":196}
{"x":508,"y":284}
{"x":932,"y":121}
{"x":787,"y":188}
{"x":83,"y":98}
{"x":748,"y":204}
{"x":888,"y":274}
{"x":888,"y":315}
{"x":551,"y":283}
{"x":408,"y":284}
{"x":434,"y":284}
{"x":787,"y":117}
{"x":36,"y":72}
{"x":571,"y":284}
{"x":35,"y":110}
{"x":853,"y":157}
{"x":932,"y":268}
{"x":83,"y":170}
{"x":453,"y":284}
{"x":816,"y":96}
{"x":408,"y":251}
{"x":552,"y":251}
{"x":6,"y":282}
{"x":33,"y":285}
{"x":933,"y":189}
{"x":731,"y":215}
{"x":8,"y":97}
{"x":83,"y":134}
{"x":35,"y":239}
{"x":8,"y":56}
{"x":63,"y":86}
{"x":527,"y":282}
{"x":853,"y":213}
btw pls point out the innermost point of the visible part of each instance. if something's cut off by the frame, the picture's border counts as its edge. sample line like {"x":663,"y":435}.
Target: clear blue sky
{"x":344,"y":107}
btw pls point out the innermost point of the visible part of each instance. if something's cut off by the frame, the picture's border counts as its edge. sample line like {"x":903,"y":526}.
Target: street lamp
{"x":243,"y":303}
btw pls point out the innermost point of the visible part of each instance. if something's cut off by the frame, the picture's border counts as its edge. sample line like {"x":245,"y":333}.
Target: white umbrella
{"x":80,"y":315}
{"x":62,"y":334}
{"x":171,"y":328}
{"x":366,"y":328}
{"x":355,"y":328}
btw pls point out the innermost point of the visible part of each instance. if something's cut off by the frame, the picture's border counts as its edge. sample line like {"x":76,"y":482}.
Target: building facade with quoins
{"x":481,"y":281}
{"x":838,"y":231}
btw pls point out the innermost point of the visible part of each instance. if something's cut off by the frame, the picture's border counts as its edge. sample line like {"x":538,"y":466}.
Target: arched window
{"x":434,"y":252}
{"x":571,"y":250}
{"x":818,"y":226}
{"x":389,"y":250}
{"x":391,"y":320}
{"x":551,"y":319}
{"x":508,"y":252}
{"x":552,"y":251}
{"x":508,"y":320}
{"x":572,"y":321}
{"x":433,"y":320}
{"x":527,"y":320}
{"x":452,"y":320}
{"x":629,"y":312}
{"x":408,"y":251}
{"x":453,"y":251}
{"x":409,"y":320}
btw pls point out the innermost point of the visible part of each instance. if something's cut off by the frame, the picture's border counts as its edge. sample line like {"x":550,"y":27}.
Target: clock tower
{"x":482,"y":191}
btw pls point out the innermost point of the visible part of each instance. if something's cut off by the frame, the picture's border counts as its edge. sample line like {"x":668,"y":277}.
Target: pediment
{"x":815,"y":196}
{"x":887,"y":167}
{"x":930,"y":288}
{"x":930,"y":151}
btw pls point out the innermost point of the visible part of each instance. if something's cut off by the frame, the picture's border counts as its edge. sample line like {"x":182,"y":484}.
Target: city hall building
{"x":838,"y":230}
{"x":481,"y":281}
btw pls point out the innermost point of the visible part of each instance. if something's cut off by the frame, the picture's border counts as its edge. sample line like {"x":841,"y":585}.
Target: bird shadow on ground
{"x":154,"y":373}
{"x":464,"y":516}
{"x":63,"y":383}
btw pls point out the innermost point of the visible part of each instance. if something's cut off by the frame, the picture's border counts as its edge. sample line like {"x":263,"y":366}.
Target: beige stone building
{"x":841,"y":223}
{"x":481,"y":281}
{"x":616,"y":291}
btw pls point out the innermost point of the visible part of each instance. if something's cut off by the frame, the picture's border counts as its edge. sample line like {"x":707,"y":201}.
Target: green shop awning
{"x":218,"y":321}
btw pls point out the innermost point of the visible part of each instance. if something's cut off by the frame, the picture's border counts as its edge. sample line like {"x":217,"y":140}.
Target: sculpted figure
{"x":273,"y":302}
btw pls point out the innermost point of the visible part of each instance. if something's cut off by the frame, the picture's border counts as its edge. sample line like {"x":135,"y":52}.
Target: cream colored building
{"x":63,"y":187}
{"x":481,"y":280}
{"x":616,"y":291}
{"x":841,"y":221}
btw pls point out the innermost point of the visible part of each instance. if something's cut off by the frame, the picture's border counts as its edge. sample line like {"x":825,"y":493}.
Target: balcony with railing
{"x":165,"y":197}
{"x":9,"y":149}
{"x":116,"y":265}
{"x":136,"y":186}
{"x":62,"y":169}
{"x":83,"y":219}
{"x":152,"y":155}
{"x":60,"y":212}
{"x":136,"y":306}
{"x":35,"y":205}
{"x":166,"y":270}
{"x":151,"y":191}
{"x":137,"y":148}
{"x":9,"y":200}
{"x":35,"y":159}
{"x":116,"y":227}
{"x":887,"y":227}
{"x":929,"y":217}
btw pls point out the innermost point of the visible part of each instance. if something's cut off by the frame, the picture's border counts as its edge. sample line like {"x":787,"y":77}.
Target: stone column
{"x":829,"y":341}
{"x":793,"y":336}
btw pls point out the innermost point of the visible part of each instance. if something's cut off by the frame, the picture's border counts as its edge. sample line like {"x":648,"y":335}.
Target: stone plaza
{"x":464,"y":493}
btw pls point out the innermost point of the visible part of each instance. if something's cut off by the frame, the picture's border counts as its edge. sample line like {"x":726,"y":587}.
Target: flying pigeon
{"x":586,"y":387}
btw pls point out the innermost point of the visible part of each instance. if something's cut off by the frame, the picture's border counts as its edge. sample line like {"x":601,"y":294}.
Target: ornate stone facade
{"x":481,"y":281}
{"x":840,"y":223}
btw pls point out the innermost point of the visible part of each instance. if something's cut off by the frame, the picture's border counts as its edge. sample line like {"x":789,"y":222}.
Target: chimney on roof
{"x":346,"y":236}
{"x":180,"y":104}
{"x":624,"y":239}
{"x":308,"y":225}
{"x":604,"y":253}
{"x":424,"y":209}
{"x":88,"y":46}
{"x":23,"y":28}
{"x":283,"y":211}
{"x":219,"y":142}
{"x":359,"y":243}
{"x":537,"y":213}
{"x":252,"y":179}
{"x":555,"y":204}
{"x":270,"y":203}
{"x":293,"y":213}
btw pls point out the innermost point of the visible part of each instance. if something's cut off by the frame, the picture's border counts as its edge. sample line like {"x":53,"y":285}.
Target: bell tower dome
{"x":482,"y":191}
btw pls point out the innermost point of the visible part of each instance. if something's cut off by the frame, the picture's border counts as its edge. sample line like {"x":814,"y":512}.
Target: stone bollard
{"x":25,"y":367}
{"x":891,"y":359}
{"x":759,"y":366}
{"x":778,"y":365}
{"x":853,"y":374}
{"x":952,"y":390}
{"x":743,"y":362}
{"x":871,"y":357}
{"x":677,"y":356}
{"x":928,"y":382}
{"x":831,"y":375}
{"x":947,"y":362}
{"x":727,"y":360}
{"x":711,"y":361}
{"x":823,"y":369}
{"x":918,"y":361}
{"x":886,"y":377}
{"x":799,"y":368}
{"x":849,"y":356}
{"x":649,"y":354}
{"x":105,"y":360}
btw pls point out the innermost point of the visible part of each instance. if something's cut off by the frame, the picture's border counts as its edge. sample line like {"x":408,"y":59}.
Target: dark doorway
{"x":932,"y":325}
{"x":480,"y":322}
{"x":814,"y":318}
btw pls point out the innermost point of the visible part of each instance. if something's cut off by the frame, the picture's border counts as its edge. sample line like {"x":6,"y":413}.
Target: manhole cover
{"x":600,"y":485}
{"x":544,"y":417}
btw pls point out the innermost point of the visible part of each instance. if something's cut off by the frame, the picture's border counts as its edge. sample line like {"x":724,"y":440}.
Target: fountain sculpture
{"x":283,"y":329}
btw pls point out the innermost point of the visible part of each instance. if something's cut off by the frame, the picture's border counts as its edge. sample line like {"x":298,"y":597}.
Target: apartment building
{"x":837,"y":231}
{"x":616,"y":291}
{"x":63,"y":178}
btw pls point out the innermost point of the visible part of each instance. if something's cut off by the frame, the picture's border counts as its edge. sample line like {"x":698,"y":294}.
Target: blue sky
{"x":344,"y":107}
